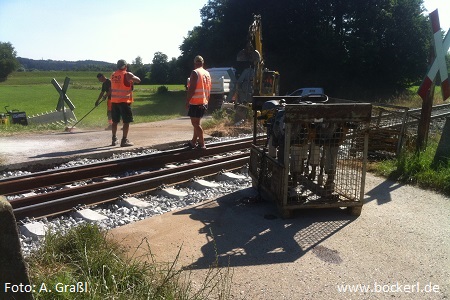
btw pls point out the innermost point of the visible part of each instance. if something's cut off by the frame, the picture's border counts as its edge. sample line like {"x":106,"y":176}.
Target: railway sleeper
{"x":36,"y":230}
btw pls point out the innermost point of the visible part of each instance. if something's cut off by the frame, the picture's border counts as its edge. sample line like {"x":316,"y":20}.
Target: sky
{"x":113,"y":29}
{"x":97,"y":29}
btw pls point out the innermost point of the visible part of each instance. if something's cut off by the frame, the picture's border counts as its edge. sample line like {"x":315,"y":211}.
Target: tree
{"x":8,"y":61}
{"x":140,"y":70}
{"x":388,"y":43}
{"x":175,"y":73}
{"x":137,"y":62}
{"x":160,"y":69}
{"x":369,"y":46}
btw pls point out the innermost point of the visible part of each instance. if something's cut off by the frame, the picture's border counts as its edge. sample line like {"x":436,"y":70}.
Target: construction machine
{"x":255,"y":80}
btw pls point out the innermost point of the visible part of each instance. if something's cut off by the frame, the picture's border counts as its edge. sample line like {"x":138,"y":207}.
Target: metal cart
{"x":315,"y":153}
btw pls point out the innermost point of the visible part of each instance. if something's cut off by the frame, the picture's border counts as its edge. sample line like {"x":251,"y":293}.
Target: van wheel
{"x":215,"y":103}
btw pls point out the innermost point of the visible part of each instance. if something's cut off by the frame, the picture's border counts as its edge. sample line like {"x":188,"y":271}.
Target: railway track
{"x":54,"y":192}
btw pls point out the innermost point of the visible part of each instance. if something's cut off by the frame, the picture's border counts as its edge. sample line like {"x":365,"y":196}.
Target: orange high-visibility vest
{"x":121,"y":91}
{"x":202,"y":89}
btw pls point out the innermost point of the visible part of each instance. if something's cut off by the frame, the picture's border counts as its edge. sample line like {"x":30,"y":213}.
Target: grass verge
{"x":417,"y":168}
{"x":103,"y":270}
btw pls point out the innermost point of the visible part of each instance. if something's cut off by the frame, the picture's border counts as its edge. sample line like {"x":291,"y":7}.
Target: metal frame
{"x":335,"y":142}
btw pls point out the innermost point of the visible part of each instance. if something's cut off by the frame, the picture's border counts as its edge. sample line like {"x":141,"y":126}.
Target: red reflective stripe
{"x":424,"y":87}
{"x":435,"y":24}
{"x":445,"y":87}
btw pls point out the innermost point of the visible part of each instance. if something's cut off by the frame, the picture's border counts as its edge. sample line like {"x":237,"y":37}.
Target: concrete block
{"x":171,"y":193}
{"x":89,"y":215}
{"x":53,"y":117}
{"x":227,"y":176}
{"x":133,"y":202}
{"x":201,"y":184}
{"x":29,"y":194}
{"x":35,"y":230}
{"x":109,"y":178}
{"x":13,"y":268}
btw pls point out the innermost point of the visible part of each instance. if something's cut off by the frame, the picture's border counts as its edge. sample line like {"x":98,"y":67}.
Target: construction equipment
{"x":315,"y":154}
{"x":256,"y":80}
{"x":222,"y":82}
{"x":17,"y":117}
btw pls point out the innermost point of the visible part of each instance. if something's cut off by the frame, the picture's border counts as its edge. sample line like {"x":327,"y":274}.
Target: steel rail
{"x":108,"y":194}
{"x":414,"y":114}
{"x":436,"y":107}
{"x":20,"y":184}
{"x":45,"y":197}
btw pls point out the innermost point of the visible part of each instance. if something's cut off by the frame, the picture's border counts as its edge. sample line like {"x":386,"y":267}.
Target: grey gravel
{"x":120,"y":216}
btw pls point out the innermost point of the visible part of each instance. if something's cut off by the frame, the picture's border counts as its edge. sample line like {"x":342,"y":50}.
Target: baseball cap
{"x":198,"y":58}
{"x":121,"y":63}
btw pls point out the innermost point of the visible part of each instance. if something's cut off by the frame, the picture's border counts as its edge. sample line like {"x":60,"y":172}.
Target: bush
{"x":162,"y":89}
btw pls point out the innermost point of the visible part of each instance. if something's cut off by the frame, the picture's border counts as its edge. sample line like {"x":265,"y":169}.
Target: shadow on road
{"x":241,"y":232}
{"x":382,"y":192}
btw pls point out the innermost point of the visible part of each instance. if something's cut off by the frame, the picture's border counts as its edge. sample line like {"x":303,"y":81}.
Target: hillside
{"x":27,"y":64}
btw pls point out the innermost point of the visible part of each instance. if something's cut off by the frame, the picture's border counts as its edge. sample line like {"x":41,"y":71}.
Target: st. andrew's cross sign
{"x":439,"y":65}
{"x":62,"y":94}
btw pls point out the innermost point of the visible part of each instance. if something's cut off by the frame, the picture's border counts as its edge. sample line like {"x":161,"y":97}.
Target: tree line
{"x":366,"y":48}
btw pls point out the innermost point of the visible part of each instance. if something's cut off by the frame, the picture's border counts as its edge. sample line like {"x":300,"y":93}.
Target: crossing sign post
{"x":63,"y":97}
{"x":438,"y":67}
{"x":62,"y":94}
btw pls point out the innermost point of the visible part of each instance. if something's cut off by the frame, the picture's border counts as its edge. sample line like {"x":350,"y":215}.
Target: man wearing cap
{"x":121,"y":98}
{"x":199,"y":89}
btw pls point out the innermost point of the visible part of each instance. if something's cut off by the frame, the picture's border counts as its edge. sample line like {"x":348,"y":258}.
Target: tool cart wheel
{"x":355,"y":210}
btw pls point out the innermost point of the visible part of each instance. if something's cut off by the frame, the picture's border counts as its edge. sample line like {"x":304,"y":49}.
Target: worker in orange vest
{"x":199,"y":90}
{"x":121,"y":99}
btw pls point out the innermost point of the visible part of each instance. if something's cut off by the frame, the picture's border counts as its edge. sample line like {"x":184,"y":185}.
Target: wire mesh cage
{"x":315,"y":154}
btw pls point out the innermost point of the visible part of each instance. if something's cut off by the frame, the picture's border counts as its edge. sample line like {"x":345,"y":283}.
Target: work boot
{"x":189,"y":144}
{"x":125,"y":143}
{"x":114,"y":141}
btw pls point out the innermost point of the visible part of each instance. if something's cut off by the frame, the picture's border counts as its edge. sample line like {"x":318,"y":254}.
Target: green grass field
{"x":33,"y":93}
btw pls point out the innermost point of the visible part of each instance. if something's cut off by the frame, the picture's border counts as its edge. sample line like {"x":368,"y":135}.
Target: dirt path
{"x":26,"y":149}
{"x":399,"y":247}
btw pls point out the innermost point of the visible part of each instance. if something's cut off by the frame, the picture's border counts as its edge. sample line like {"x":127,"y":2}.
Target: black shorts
{"x":121,"y":111}
{"x":197,"y":111}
